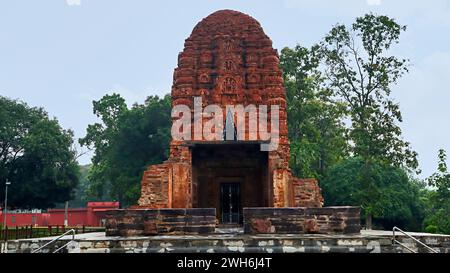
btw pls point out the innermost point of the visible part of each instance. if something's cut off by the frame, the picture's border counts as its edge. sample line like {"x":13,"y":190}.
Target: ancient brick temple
{"x":228,"y":60}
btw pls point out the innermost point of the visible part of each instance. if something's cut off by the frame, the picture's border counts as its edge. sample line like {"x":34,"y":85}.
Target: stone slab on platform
{"x":301,"y":220}
{"x":136,"y":222}
{"x":373,"y":241}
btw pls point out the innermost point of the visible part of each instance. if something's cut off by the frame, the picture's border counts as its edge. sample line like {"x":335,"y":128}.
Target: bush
{"x":431,"y":229}
{"x":397,"y":202}
{"x":439,"y":219}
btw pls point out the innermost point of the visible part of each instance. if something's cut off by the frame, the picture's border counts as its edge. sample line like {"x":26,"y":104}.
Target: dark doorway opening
{"x":235,"y":167}
{"x":230,"y":203}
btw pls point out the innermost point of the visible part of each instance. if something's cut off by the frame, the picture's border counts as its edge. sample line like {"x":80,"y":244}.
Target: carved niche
{"x":204,"y":78}
{"x":229,"y":85}
{"x":253,"y":78}
{"x":206,"y":58}
{"x":229,"y":65}
{"x":251,"y":60}
{"x":228,"y":45}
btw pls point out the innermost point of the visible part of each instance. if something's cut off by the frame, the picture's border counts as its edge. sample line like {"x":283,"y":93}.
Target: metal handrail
{"x":403,"y":245}
{"x":56,"y":239}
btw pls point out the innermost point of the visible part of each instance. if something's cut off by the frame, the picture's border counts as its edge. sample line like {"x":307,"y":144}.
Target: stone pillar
{"x":281,"y":179}
{"x":180,"y":180}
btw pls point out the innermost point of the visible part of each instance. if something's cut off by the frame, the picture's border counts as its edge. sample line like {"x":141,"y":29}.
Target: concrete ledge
{"x":137,"y":222}
{"x":301,"y":220}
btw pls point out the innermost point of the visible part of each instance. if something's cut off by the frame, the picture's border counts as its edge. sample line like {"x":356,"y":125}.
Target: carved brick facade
{"x":227,"y":60}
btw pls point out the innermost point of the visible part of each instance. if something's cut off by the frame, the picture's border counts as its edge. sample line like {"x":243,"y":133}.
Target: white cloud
{"x":373,"y":2}
{"x":73,"y":2}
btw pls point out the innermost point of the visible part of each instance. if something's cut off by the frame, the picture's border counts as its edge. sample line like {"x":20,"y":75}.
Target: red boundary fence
{"x":93,"y":215}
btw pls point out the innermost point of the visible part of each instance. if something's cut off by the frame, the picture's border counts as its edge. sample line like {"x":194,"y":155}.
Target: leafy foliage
{"x":360,"y":71}
{"x":36,"y":155}
{"x":83,"y":193}
{"x":397,"y":199}
{"x":438,"y":219}
{"x":126,"y":142}
{"x":316,"y":131}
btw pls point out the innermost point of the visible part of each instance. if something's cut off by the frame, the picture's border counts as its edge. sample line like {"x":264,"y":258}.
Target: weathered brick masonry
{"x":306,"y":193}
{"x":326,"y":220}
{"x":138,"y":222}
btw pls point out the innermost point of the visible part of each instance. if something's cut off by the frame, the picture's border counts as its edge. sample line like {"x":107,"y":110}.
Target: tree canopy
{"x":398,"y":198}
{"x":315,"y":120}
{"x":360,"y":71}
{"x":438,"y":213}
{"x":36,"y":155}
{"x":125,"y":142}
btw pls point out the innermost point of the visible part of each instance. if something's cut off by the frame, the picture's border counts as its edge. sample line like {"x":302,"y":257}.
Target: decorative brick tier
{"x":327,"y":220}
{"x":137,"y":222}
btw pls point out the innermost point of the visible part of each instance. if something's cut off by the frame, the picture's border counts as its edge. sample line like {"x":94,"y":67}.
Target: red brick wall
{"x":155,"y":186}
{"x":306,"y":192}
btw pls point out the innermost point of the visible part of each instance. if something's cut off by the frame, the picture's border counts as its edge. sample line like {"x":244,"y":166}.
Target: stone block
{"x":140,"y":222}
{"x":301,"y":220}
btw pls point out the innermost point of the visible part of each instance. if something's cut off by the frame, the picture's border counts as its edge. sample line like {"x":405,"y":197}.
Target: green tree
{"x":316,"y":131}
{"x":83,"y":193}
{"x":438,"y":219}
{"x":399,"y":202}
{"x":126,"y":142}
{"x":36,"y":155}
{"x":359,"y":69}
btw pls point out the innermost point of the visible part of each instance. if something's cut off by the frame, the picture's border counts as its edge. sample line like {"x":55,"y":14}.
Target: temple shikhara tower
{"x":228,"y":60}
{"x":237,"y":177}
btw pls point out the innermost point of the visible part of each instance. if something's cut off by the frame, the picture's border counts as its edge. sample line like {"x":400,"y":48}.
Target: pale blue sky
{"x":62,"y":54}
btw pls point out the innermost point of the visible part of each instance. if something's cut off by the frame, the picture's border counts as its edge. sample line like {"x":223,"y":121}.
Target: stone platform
{"x":135,"y":222}
{"x":257,"y":220}
{"x":301,"y":220}
{"x":234,"y":241}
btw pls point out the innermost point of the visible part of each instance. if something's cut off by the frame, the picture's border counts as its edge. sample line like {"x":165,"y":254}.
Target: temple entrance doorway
{"x":230,"y":203}
{"x":229,"y":176}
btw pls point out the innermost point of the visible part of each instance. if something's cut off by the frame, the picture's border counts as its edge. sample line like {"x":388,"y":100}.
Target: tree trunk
{"x":369,"y":221}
